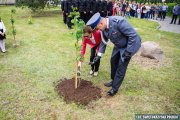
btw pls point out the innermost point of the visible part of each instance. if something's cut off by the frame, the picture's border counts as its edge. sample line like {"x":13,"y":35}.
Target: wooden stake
{"x":76,"y":66}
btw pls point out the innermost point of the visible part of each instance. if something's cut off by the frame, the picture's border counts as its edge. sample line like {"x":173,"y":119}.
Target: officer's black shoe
{"x":111,"y":92}
{"x":109,"y":84}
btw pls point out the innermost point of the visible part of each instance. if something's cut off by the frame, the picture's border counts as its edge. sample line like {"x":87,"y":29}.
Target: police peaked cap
{"x":94,"y":20}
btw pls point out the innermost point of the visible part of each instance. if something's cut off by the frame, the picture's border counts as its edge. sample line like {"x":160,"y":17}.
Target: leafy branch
{"x":13,"y":11}
{"x":78,"y":33}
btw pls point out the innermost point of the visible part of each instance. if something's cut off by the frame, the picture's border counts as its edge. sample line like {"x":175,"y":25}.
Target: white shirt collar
{"x":107,"y":20}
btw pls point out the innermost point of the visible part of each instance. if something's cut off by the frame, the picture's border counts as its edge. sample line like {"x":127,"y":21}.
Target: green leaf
{"x":13,"y":11}
{"x":72,"y":21}
{"x":12,"y":21}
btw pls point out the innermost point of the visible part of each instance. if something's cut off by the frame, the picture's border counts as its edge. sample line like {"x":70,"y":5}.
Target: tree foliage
{"x":35,"y":4}
{"x":78,"y":25}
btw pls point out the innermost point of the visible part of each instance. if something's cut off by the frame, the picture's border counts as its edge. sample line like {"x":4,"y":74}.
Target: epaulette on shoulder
{"x":115,"y":20}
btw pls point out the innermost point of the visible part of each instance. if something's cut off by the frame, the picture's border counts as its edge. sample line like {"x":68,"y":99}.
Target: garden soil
{"x":84,"y":94}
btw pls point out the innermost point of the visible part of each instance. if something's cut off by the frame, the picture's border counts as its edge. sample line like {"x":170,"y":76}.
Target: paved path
{"x":166,"y":26}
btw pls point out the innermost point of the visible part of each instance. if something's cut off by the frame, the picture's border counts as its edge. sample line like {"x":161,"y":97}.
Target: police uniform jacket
{"x":109,"y":6}
{"x":82,"y":6}
{"x":65,"y":6}
{"x":62,"y":5}
{"x":122,"y":35}
{"x":88,"y":6}
{"x":100,"y":6}
{"x":94,"y":6}
{"x":104,"y":3}
{"x":176,"y":9}
{"x":70,"y":5}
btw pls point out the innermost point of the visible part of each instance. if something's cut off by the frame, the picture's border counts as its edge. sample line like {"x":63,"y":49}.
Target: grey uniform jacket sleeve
{"x":131,"y":34}
{"x":103,"y":45}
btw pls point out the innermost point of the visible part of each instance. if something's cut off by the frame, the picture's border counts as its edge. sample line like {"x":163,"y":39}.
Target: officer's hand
{"x":126,"y":55}
{"x":96,"y":59}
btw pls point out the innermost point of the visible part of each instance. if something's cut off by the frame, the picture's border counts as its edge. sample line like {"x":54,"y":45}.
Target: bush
{"x":170,"y":8}
{"x":36,"y":4}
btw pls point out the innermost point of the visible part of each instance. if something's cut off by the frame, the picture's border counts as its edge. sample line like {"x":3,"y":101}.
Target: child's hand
{"x":79,"y":64}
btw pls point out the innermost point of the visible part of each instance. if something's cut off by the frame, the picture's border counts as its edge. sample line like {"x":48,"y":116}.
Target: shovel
{"x":79,"y":74}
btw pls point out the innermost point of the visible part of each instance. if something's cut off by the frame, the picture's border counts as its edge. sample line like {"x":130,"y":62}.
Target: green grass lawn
{"x":46,"y":54}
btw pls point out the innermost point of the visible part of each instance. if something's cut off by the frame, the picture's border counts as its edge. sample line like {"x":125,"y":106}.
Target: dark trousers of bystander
{"x":174,"y":18}
{"x":64,"y":17}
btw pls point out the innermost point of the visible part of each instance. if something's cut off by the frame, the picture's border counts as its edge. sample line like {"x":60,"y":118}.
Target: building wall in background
{"x":7,"y":2}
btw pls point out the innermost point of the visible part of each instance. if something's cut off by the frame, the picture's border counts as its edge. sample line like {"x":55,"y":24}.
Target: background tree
{"x":35,"y":4}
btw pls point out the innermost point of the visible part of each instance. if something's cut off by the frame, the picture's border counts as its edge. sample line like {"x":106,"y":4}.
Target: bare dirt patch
{"x":84,"y":94}
{"x":150,"y":63}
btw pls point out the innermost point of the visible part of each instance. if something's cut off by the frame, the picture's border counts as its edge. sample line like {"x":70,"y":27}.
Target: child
{"x":93,"y":38}
{"x":2,"y":36}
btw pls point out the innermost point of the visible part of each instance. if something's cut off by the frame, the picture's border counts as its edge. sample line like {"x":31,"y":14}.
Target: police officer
{"x":69,"y":10}
{"x":109,"y":8}
{"x":77,"y":4}
{"x":62,"y":8}
{"x":82,"y":10}
{"x":88,"y":9}
{"x":65,"y":10}
{"x":104,"y":8}
{"x":100,"y":6}
{"x":91,"y":2}
{"x":94,"y":7}
{"x":126,"y":43}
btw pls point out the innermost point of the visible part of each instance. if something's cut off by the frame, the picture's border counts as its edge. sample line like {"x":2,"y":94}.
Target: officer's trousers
{"x":69,"y":24}
{"x":118,"y":70}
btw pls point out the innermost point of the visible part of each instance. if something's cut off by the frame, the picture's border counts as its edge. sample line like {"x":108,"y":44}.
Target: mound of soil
{"x":84,"y":94}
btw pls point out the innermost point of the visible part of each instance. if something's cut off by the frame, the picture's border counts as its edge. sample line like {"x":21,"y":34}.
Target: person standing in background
{"x":176,"y":12}
{"x":164,"y":10}
{"x":63,"y":7}
{"x":2,"y":36}
{"x":128,"y":11}
{"x":156,"y":12}
{"x":114,"y":7}
{"x":123,"y":9}
{"x":109,"y":8}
